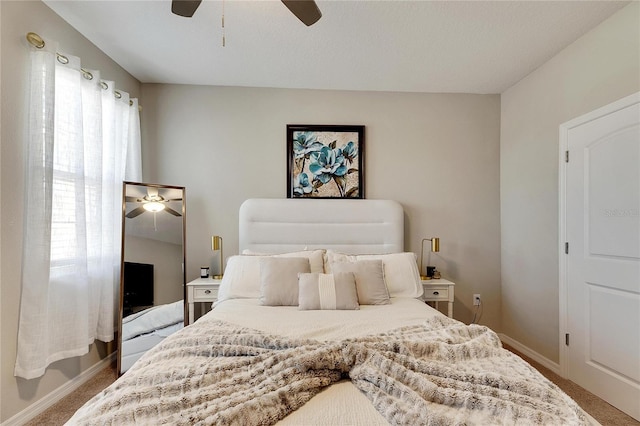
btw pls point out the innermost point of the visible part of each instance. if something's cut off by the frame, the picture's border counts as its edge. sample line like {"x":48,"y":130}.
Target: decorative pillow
{"x":316,"y":257}
{"x":327,"y":291}
{"x":400,"y":270}
{"x":369,"y":277}
{"x":279,"y":280}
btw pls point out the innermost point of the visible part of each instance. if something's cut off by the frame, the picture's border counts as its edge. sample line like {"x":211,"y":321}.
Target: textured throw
{"x":440,"y":373}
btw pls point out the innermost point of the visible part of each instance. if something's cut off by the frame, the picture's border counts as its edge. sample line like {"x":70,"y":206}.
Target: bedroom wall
{"x":18,"y":18}
{"x":599,"y":68}
{"x":437,"y":154}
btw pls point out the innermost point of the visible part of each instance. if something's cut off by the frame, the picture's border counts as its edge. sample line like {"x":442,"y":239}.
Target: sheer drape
{"x":83,"y":136}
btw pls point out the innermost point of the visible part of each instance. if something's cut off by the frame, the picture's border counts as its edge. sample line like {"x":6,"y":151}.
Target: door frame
{"x":562,"y":177}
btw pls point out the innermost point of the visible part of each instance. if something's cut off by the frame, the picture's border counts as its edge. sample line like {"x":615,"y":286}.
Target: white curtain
{"x":83,"y":136}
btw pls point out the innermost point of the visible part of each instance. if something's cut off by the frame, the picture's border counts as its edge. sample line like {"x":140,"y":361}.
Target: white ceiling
{"x":410,"y":46}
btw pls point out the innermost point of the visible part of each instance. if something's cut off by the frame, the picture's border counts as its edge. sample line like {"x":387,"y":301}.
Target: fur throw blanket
{"x":440,"y":373}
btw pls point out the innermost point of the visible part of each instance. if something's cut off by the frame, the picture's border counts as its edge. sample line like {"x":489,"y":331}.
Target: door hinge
{"x":566,"y":156}
{"x":566,"y":339}
{"x":566,"y":248}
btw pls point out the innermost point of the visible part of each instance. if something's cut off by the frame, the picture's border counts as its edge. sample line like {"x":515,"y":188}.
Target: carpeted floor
{"x":62,"y":411}
{"x":600,"y":410}
{"x":606,"y":414}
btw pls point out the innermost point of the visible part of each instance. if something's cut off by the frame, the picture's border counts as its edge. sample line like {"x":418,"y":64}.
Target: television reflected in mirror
{"x":152,"y":285}
{"x":137,"y":287}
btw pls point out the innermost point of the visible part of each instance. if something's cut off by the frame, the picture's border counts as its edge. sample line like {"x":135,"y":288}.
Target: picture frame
{"x":325,"y":161}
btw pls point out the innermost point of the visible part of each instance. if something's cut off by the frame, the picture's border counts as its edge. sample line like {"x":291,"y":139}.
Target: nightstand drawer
{"x":436,"y":294}
{"x":201,"y":290}
{"x":204,"y":294}
{"x":439,"y":290}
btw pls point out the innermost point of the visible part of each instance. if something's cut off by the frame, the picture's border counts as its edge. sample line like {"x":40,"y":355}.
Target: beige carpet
{"x":606,"y":414}
{"x":600,"y":410}
{"x":62,"y":411}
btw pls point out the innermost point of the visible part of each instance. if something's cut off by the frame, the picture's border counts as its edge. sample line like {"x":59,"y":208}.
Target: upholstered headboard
{"x":348,"y":226}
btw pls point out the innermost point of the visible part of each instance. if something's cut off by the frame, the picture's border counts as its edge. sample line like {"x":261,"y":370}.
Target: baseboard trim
{"x":546,"y":362}
{"x":51,"y":398}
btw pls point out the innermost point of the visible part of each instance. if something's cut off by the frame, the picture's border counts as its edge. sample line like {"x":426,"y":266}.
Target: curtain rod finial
{"x":35,"y":40}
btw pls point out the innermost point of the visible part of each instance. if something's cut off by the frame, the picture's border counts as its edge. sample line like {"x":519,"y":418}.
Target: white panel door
{"x":602,"y":224}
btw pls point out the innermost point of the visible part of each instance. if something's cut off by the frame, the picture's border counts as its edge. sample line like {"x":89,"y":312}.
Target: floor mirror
{"x":152,"y":278}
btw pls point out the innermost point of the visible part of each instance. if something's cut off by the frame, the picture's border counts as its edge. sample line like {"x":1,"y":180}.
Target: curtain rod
{"x":36,"y":41}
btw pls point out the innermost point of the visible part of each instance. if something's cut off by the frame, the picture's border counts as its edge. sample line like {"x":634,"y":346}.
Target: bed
{"x":319,"y":321}
{"x":145,"y":329}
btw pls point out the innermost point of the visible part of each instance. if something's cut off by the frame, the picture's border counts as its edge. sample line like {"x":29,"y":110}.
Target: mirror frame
{"x":122,"y":257}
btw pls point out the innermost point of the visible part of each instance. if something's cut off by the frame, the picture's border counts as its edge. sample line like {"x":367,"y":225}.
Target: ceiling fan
{"x":305,"y":10}
{"x":152,"y":202}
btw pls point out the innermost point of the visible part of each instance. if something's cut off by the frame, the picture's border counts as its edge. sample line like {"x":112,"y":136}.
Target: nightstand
{"x":201,"y":290}
{"x":439,"y":290}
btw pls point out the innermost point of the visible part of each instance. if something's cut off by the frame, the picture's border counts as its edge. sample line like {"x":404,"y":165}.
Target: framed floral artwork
{"x":325,"y":161}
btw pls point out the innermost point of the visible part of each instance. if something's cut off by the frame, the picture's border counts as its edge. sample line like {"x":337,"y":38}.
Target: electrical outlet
{"x":476,"y":299}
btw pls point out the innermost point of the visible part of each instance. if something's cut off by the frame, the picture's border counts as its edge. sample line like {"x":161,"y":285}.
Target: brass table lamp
{"x":435,"y":247}
{"x":216,"y":244}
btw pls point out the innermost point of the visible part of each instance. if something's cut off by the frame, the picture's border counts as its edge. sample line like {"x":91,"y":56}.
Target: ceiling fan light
{"x":153,"y":206}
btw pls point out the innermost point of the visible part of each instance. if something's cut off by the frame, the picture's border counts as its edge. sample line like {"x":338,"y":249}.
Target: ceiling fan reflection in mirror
{"x":305,"y":10}
{"x":152,"y":202}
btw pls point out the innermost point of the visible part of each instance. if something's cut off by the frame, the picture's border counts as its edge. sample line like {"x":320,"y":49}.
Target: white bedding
{"x":135,"y":347}
{"x":145,"y":329}
{"x":432,"y":369}
{"x":343,"y":403}
{"x":289,"y":321}
{"x":152,"y":319}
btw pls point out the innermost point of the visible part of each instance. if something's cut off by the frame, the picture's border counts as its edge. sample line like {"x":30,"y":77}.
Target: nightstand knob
{"x":435,"y":293}
{"x":207,"y":292}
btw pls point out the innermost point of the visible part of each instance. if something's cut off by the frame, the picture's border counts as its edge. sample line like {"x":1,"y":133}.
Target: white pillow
{"x":241,"y":279}
{"x":316,"y":257}
{"x":400,"y":270}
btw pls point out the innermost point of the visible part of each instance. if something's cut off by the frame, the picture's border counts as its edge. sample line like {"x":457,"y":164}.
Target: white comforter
{"x":289,"y":321}
{"x":152,"y":319}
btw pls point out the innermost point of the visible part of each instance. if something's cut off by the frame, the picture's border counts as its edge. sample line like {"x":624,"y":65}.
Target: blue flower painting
{"x":325,"y":161}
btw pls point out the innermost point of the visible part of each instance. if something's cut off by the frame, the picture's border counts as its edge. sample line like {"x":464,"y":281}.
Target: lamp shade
{"x":216,"y":244}
{"x":435,"y":244}
{"x":435,"y":247}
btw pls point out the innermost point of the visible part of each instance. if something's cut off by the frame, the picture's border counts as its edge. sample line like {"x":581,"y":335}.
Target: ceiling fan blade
{"x":129,"y":199}
{"x":305,"y":10}
{"x":185,"y":8}
{"x":135,"y":212}
{"x":172,"y":211}
{"x":174,"y":199}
